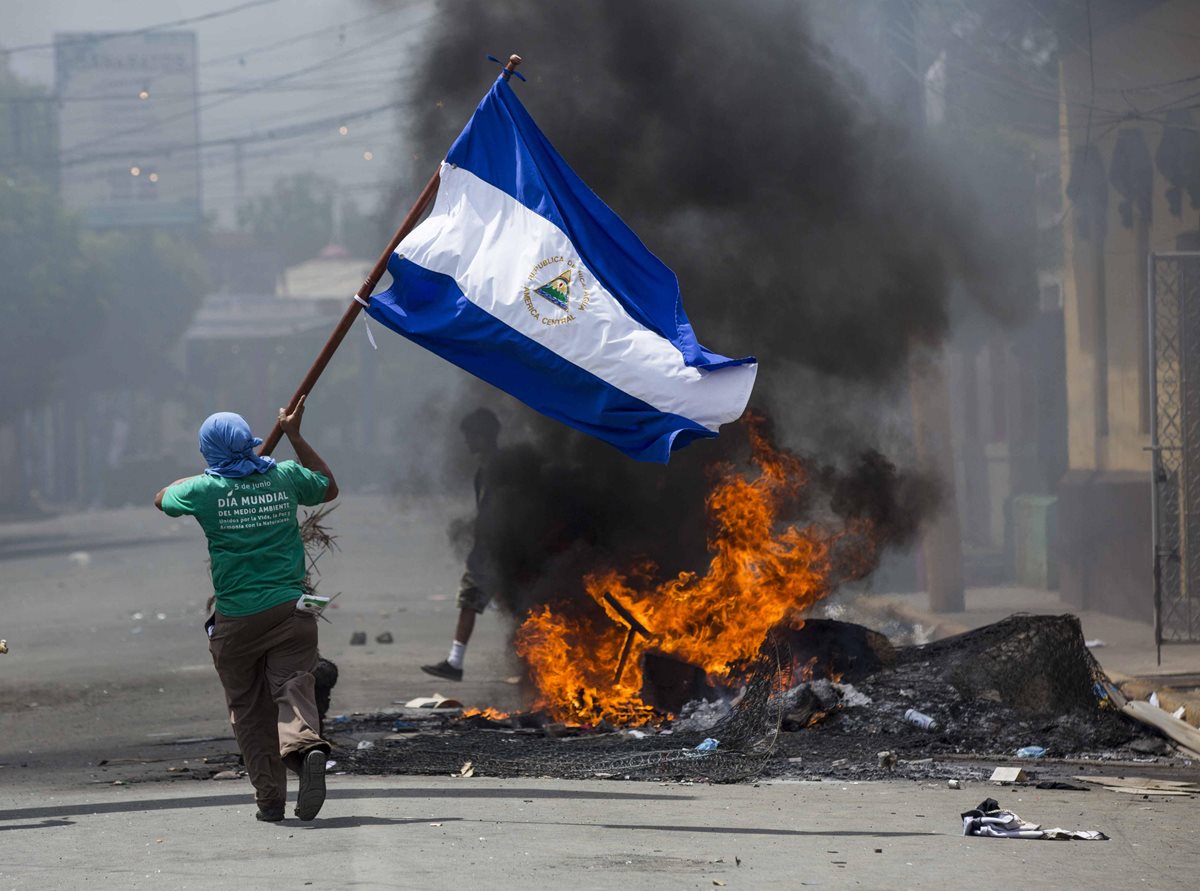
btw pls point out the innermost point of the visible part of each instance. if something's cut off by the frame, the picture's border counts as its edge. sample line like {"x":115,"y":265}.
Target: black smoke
{"x":808,"y":224}
{"x":565,"y":505}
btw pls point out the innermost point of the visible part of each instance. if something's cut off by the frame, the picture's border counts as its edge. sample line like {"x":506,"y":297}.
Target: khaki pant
{"x":265,"y":662}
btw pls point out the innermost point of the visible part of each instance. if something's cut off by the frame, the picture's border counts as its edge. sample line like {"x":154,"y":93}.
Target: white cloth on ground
{"x":989,"y":821}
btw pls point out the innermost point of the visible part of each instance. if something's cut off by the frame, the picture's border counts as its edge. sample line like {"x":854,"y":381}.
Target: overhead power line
{"x":263,"y":49}
{"x":354,"y":55}
{"x":149,"y":29}
{"x":288,"y":131}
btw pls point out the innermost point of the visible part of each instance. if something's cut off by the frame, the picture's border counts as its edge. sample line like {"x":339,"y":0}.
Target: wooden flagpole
{"x":352,"y":311}
{"x":364,"y":294}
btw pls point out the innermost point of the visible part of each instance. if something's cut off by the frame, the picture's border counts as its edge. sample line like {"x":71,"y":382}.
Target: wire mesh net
{"x":1038,"y":664}
{"x":746,"y":738}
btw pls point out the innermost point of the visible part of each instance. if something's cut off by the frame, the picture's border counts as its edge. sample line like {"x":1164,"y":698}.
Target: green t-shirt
{"x":253,"y":536}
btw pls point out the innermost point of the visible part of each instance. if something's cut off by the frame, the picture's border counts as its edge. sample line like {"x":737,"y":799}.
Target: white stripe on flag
{"x":491,"y":244}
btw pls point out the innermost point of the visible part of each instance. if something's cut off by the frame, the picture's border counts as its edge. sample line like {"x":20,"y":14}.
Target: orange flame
{"x":759,"y":576}
{"x":492,"y":714}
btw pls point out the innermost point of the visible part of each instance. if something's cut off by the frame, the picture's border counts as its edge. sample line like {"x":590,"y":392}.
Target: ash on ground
{"x":1025,"y":681}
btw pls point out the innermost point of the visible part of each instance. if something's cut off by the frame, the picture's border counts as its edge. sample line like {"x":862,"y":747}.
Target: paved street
{"x":478,"y":833}
{"x":103,"y":613}
{"x":95,"y":675}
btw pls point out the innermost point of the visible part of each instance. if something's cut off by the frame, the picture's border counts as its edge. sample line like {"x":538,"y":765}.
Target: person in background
{"x":481,"y":428}
{"x":264,"y":648}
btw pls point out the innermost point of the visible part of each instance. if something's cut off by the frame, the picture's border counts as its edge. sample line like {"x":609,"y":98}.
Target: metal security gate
{"x":1174,"y":305}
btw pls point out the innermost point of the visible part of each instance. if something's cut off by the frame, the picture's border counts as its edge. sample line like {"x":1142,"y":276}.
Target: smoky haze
{"x":808,"y":225}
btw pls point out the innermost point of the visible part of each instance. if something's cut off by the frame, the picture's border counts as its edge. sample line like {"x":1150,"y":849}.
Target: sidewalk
{"x":413,"y":832}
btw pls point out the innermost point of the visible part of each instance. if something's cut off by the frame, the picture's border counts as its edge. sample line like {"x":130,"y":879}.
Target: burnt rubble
{"x":834,"y":705}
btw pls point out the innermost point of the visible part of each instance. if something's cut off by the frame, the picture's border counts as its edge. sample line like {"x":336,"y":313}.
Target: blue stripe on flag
{"x":503,"y":146}
{"x":431,"y":310}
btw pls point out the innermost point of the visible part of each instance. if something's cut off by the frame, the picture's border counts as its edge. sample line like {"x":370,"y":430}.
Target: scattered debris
{"x":402,"y":726}
{"x":365,"y":744}
{"x":82,"y":559}
{"x":384,"y":638}
{"x":1030,"y":752}
{"x":698,"y":716}
{"x":706,"y":747}
{"x":1094,"y":644}
{"x":330,"y":764}
{"x":917,"y":719}
{"x":467,"y":770}
{"x":1059,"y":784}
{"x":227,"y":775}
{"x":988,"y":820}
{"x":1187,"y":736}
{"x":887,"y":761}
{"x":1151,"y":745}
{"x":3,"y":646}
{"x":358,"y":639}
{"x":992,"y":691}
{"x":850,"y":697}
{"x":437,"y":700}
{"x":837,"y":650}
{"x":1008,"y":775}
{"x":1144,"y":785}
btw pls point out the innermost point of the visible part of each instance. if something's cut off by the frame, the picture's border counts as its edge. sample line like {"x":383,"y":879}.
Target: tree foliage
{"x":296,"y":218}
{"x":85,"y":310}
{"x":48,"y":299}
{"x":363,"y":234}
{"x":151,"y":283}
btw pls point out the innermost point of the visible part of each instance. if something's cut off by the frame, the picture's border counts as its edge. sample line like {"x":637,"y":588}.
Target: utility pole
{"x":941,"y":540}
{"x":239,"y":176}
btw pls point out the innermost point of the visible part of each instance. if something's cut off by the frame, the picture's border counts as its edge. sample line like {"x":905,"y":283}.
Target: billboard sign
{"x":129,"y":127}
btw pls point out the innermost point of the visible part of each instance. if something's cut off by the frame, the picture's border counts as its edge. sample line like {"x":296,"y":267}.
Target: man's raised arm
{"x":305,"y":454}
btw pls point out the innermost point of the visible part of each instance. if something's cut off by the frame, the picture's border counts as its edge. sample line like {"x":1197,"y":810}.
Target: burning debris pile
{"x":720,"y":675}
{"x":1028,"y":680}
{"x":588,"y":660}
{"x":734,"y":745}
{"x":980,"y":695}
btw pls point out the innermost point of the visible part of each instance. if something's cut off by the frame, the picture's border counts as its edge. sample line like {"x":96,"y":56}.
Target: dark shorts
{"x":470,"y":595}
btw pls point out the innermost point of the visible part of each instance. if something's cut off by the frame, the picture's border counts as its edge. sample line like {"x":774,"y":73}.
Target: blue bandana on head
{"x":228,"y":446}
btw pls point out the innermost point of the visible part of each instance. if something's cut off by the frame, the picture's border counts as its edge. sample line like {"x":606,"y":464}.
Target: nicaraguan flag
{"x":523,"y":277}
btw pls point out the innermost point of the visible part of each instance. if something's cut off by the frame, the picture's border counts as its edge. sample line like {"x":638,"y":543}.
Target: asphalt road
{"x":109,"y":663}
{"x":103,"y":613}
{"x":479,"y":833}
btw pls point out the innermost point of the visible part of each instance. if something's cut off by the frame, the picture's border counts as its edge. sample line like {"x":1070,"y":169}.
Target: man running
{"x":481,"y":429}
{"x":263,"y":647}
